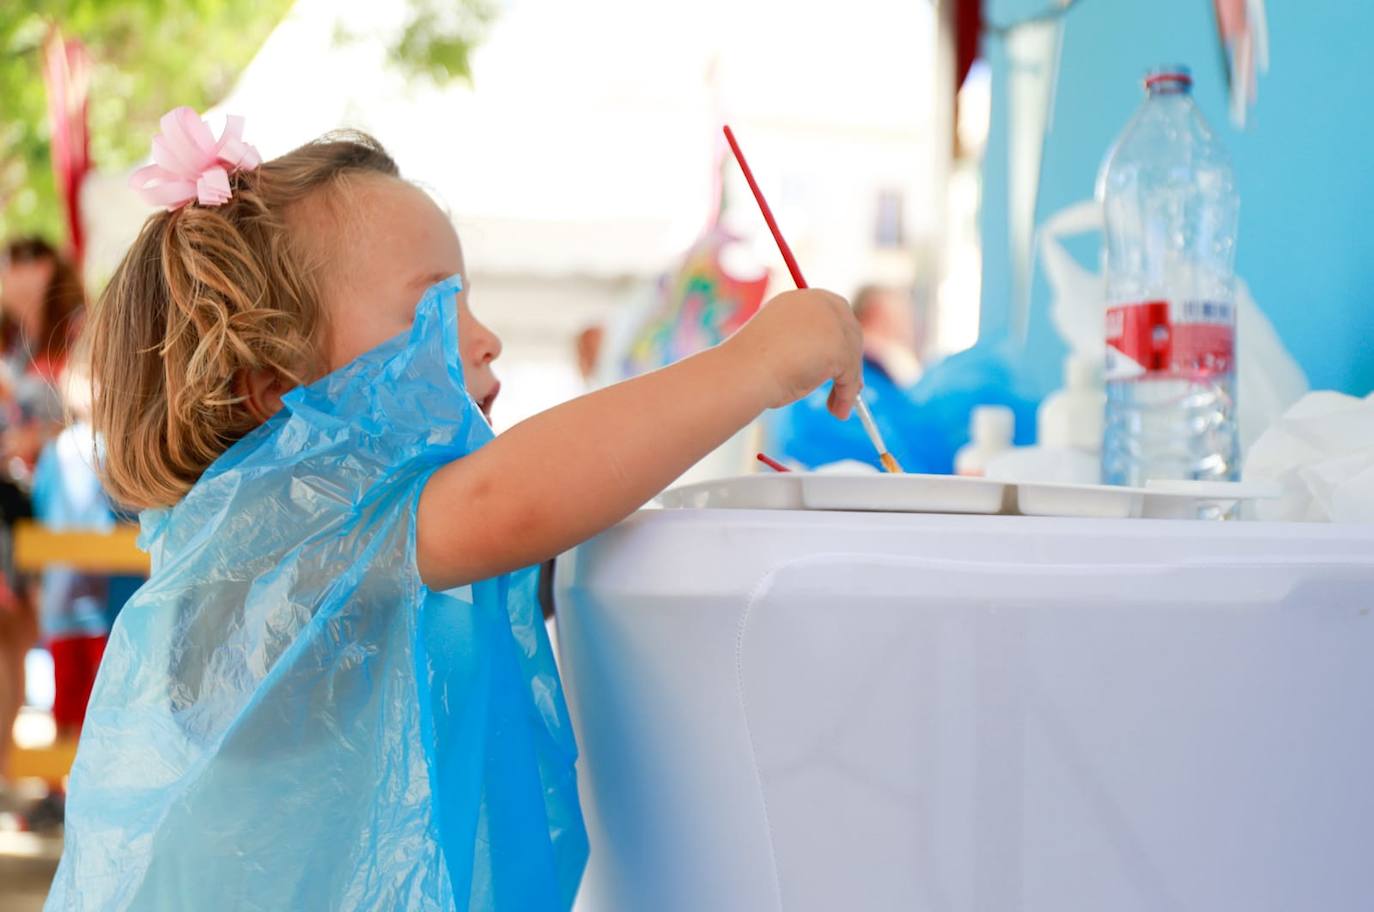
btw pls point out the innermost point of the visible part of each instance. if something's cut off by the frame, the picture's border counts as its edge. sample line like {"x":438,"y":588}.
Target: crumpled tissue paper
{"x":1321,"y":452}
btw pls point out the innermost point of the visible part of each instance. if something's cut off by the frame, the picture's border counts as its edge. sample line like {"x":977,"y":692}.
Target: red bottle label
{"x":1146,"y":340}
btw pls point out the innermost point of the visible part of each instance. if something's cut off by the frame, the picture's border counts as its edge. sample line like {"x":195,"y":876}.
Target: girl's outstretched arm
{"x":566,"y":474}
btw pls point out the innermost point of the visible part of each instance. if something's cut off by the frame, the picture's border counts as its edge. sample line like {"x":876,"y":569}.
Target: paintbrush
{"x":887,"y":459}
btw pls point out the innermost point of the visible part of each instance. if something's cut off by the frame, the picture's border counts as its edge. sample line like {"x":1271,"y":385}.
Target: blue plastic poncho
{"x":993,"y":372}
{"x":286,"y":718}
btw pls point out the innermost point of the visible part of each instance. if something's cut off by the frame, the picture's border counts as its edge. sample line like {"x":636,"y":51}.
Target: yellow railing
{"x":114,"y":552}
{"x":51,"y":762}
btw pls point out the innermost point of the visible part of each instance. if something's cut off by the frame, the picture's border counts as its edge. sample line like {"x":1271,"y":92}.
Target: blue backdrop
{"x":1305,"y":174}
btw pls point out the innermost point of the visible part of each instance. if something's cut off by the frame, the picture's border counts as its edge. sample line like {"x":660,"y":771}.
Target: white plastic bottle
{"x":993,"y":428}
{"x":1071,"y":418}
{"x":1170,"y":208}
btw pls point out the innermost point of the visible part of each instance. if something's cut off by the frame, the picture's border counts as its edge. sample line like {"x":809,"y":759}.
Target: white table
{"x":843,"y":711}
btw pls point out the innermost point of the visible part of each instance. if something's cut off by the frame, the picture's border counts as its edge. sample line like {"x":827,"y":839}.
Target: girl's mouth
{"x":485,"y":403}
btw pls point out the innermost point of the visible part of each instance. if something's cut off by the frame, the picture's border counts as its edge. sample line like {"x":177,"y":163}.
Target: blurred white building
{"x":581,"y":162}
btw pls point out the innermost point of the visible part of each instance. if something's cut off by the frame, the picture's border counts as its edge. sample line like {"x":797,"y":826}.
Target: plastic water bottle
{"x":1170,"y":204}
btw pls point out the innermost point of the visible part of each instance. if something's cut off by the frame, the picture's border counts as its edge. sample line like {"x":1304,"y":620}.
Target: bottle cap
{"x":1176,"y":78}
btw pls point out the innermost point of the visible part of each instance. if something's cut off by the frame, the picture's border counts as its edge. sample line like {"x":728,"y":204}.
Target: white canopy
{"x":586,"y":142}
{"x":582,"y":158}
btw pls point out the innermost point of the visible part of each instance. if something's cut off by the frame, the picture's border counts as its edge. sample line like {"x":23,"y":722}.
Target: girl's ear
{"x":261,"y":390}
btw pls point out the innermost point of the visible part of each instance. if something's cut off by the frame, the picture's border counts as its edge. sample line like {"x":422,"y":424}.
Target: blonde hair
{"x":205,"y":294}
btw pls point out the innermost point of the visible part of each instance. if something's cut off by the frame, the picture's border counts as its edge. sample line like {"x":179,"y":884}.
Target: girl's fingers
{"x":850,"y":380}
{"x":846,"y":391}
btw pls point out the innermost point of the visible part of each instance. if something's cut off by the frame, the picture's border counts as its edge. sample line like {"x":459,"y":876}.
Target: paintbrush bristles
{"x":876,"y":438}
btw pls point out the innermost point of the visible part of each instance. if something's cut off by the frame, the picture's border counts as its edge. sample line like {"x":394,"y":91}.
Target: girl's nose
{"x":486,"y":345}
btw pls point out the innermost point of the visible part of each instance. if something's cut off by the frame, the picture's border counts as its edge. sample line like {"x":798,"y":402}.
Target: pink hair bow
{"x":189,"y":164}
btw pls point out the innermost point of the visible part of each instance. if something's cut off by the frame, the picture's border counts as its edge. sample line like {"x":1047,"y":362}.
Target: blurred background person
{"x":76,"y":609}
{"x":41,"y":302}
{"x":892,"y":336}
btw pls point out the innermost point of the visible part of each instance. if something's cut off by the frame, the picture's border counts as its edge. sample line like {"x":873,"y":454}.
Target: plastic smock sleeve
{"x":287,"y":718}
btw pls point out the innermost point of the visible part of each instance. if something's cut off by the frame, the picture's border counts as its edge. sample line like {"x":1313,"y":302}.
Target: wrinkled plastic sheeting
{"x":286,"y":718}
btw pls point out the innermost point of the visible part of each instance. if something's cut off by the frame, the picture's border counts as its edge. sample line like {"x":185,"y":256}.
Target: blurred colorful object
{"x":700,"y":304}
{"x":66,"y":75}
{"x":1244,"y":31}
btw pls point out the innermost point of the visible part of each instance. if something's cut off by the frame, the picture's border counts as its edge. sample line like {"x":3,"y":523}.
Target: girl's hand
{"x":799,"y":340}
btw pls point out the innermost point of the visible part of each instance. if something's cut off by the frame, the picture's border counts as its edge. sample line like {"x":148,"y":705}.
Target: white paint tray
{"x":863,"y":493}
{"x":954,"y":494}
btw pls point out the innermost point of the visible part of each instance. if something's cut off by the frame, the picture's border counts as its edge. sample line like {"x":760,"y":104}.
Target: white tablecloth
{"x":812,"y":711}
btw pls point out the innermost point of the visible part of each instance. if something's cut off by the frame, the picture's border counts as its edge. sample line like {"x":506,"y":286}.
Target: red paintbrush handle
{"x":888,"y":461}
{"x":786,"y":251}
{"x":772,"y":463}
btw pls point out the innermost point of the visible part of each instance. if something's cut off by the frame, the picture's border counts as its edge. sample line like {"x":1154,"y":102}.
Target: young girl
{"x":335,"y":691}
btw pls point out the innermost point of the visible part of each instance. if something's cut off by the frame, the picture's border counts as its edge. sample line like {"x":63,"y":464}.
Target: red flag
{"x":968,"y":29}
{"x":66,"y":74}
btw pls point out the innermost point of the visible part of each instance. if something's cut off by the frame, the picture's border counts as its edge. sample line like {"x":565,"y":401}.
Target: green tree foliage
{"x":438,"y":36}
{"x":151,"y":55}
